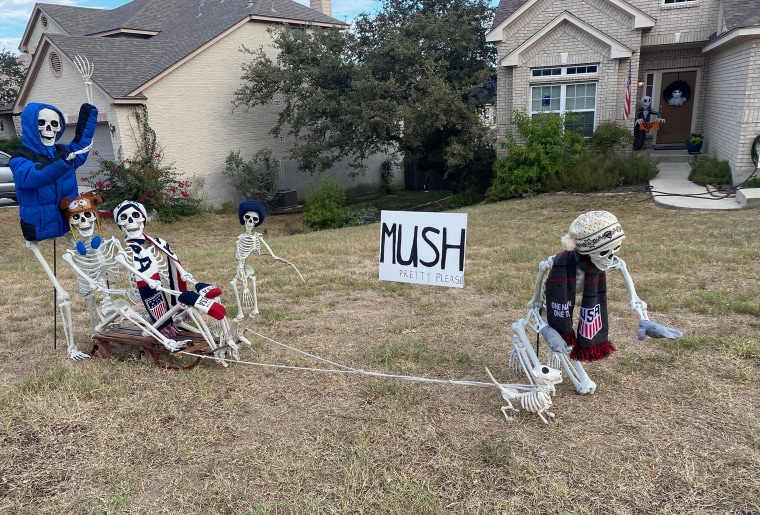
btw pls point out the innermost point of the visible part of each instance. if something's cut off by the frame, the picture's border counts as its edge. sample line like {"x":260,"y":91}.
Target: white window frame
{"x":669,"y":3}
{"x":563,"y":99}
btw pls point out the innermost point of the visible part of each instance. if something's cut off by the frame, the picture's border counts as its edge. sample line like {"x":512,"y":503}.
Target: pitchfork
{"x":85,"y":68}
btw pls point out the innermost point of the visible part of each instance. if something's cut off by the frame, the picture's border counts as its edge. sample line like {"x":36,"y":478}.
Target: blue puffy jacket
{"x":42,"y":174}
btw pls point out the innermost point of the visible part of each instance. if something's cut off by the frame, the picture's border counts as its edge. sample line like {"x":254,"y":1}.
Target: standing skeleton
{"x":251,"y":213}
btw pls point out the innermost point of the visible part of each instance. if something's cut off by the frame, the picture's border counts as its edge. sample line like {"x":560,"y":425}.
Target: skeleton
{"x":148,"y":260}
{"x":97,"y":263}
{"x":85,"y":68}
{"x":537,"y":400}
{"x":642,"y":115}
{"x":251,"y":213}
{"x":523,"y":356}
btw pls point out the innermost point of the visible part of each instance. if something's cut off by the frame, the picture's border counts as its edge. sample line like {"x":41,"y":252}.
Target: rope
{"x":349,"y":370}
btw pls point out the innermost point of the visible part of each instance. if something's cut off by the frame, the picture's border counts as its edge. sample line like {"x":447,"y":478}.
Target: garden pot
{"x":694,"y":148}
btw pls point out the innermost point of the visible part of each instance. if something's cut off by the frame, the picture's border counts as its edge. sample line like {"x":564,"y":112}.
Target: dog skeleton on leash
{"x":538,"y":399}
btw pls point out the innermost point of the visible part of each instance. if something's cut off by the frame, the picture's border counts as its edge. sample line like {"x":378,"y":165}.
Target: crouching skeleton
{"x":251,"y":213}
{"x":590,"y":246}
{"x":151,"y":263}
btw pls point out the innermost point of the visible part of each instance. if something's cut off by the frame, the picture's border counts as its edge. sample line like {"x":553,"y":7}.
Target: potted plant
{"x":694,"y":143}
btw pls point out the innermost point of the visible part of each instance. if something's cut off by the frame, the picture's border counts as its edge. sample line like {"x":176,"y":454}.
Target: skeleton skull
{"x":251,"y":220}
{"x":49,"y":125}
{"x":602,"y":258}
{"x":646,"y":102}
{"x":131,"y":221}
{"x":84,"y":222}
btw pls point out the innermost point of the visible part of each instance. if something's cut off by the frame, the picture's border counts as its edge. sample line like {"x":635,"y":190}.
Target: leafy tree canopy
{"x":11,"y":77}
{"x":410,"y":77}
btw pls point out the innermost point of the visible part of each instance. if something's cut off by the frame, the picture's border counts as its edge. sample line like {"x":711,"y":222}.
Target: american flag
{"x":627,"y":106}
{"x":156,"y":305}
{"x":590,"y":321}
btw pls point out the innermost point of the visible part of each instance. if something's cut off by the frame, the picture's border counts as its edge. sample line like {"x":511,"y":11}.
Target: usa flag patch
{"x":590,"y":322}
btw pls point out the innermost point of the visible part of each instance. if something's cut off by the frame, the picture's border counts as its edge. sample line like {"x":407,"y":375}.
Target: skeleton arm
{"x":280,"y":259}
{"x":646,"y":327}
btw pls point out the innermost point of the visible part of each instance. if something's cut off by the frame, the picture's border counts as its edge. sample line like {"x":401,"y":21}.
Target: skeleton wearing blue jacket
{"x":45,"y":172}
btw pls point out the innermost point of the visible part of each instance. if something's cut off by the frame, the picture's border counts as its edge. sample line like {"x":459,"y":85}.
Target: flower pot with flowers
{"x":694,"y":143}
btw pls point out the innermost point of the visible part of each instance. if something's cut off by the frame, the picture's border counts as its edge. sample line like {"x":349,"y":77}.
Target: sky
{"x":14,"y":14}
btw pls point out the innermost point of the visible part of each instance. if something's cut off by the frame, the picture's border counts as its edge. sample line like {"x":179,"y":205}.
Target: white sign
{"x":423,"y":248}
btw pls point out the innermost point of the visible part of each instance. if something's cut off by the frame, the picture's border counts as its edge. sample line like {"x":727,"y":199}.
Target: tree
{"x":408,"y":78}
{"x":11,"y":77}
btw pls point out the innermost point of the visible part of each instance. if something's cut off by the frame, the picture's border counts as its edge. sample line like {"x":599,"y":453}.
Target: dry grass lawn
{"x":674,"y":426}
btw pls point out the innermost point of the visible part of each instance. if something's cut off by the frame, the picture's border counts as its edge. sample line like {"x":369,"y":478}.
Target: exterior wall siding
{"x":734,"y":116}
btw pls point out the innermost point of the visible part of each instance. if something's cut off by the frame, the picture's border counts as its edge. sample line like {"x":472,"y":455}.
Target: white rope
{"x":349,"y":370}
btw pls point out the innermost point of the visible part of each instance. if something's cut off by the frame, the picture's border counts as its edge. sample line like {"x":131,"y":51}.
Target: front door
{"x":676,"y":106}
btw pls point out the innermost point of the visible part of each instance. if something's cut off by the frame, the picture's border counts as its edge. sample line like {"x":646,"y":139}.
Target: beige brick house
{"x":181,"y":59}
{"x":576,"y":54}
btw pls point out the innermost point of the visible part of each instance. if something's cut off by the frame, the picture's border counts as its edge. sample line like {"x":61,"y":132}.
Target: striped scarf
{"x":590,"y":340}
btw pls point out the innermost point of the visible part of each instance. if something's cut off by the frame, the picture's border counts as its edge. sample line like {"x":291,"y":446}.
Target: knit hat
{"x":84,"y":202}
{"x":251,"y":205}
{"x":129,"y":203}
{"x":592,"y":232}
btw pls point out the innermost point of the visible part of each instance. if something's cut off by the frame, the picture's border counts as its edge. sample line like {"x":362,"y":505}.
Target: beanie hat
{"x":592,"y":232}
{"x":79,"y":204}
{"x":129,"y":203}
{"x":251,"y":205}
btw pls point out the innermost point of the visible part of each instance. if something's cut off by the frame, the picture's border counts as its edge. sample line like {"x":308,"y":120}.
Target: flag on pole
{"x":627,"y":106}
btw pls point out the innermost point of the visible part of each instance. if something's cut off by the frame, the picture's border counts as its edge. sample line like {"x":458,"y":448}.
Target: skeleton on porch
{"x":251,"y":213}
{"x":591,"y":246}
{"x":158,"y":272}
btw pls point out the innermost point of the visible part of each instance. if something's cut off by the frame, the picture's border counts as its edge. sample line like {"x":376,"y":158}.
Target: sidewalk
{"x":672,"y":188}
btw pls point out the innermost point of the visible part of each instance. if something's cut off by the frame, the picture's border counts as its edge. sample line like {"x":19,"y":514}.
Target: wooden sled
{"x":130,"y":335}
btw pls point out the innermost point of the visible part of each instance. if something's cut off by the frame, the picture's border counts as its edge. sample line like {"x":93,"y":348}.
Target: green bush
{"x":254,"y":179}
{"x":609,"y":138}
{"x":10,"y":146}
{"x":548,"y":149}
{"x":600,"y":172}
{"x":323,"y":207}
{"x":145,"y":179}
{"x":463,"y":199}
{"x":708,"y":170}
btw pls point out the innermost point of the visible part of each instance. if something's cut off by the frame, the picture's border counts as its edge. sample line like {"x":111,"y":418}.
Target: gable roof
{"x":509,"y":10}
{"x":125,"y":65}
{"x":740,"y":21}
{"x":617,"y":49}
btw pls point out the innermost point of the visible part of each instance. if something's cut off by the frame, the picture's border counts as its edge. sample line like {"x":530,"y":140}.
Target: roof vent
{"x":56,"y":66}
{"x":44,"y":21}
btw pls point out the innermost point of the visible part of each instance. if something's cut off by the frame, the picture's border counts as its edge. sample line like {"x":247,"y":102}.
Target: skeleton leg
{"x":574,"y":369}
{"x":511,"y":408}
{"x":64,"y":304}
{"x":522,"y":355}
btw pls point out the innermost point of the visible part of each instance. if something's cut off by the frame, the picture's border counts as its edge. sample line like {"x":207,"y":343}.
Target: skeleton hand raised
{"x":655,"y":330}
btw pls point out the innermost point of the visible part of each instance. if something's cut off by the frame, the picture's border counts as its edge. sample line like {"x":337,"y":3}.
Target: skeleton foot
{"x":586,"y":387}
{"x":77,"y":355}
{"x":504,"y":411}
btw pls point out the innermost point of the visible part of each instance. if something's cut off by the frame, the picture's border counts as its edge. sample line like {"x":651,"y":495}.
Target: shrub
{"x":609,"y":137}
{"x":463,"y":199}
{"x":323,"y":207}
{"x":145,"y":179}
{"x":254,"y":179}
{"x":548,"y":149}
{"x":361,"y":216}
{"x":11,"y":145}
{"x":708,"y":170}
{"x":601,"y":172}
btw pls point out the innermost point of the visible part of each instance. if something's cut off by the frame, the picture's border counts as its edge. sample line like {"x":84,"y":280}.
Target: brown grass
{"x":674,"y":426}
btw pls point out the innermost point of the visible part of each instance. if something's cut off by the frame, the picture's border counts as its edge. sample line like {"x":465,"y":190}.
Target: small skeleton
{"x":537,"y":399}
{"x":85,"y":68}
{"x":603,"y":255}
{"x":251,"y":213}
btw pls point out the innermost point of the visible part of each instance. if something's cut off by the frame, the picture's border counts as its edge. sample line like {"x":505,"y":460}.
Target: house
{"x":181,"y":60}
{"x":699,"y":61}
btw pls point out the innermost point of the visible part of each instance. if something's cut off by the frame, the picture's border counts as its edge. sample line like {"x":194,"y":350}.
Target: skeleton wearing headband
{"x":251,"y":213}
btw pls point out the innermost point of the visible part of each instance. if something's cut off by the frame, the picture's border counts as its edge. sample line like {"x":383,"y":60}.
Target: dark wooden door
{"x":676,"y":106}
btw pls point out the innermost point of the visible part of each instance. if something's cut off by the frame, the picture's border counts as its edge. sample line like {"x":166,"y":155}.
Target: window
{"x":673,"y":2}
{"x":578,"y":98}
{"x":567,"y":70}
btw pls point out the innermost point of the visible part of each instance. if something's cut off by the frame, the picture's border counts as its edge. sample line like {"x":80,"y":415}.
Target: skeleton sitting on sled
{"x":591,"y":246}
